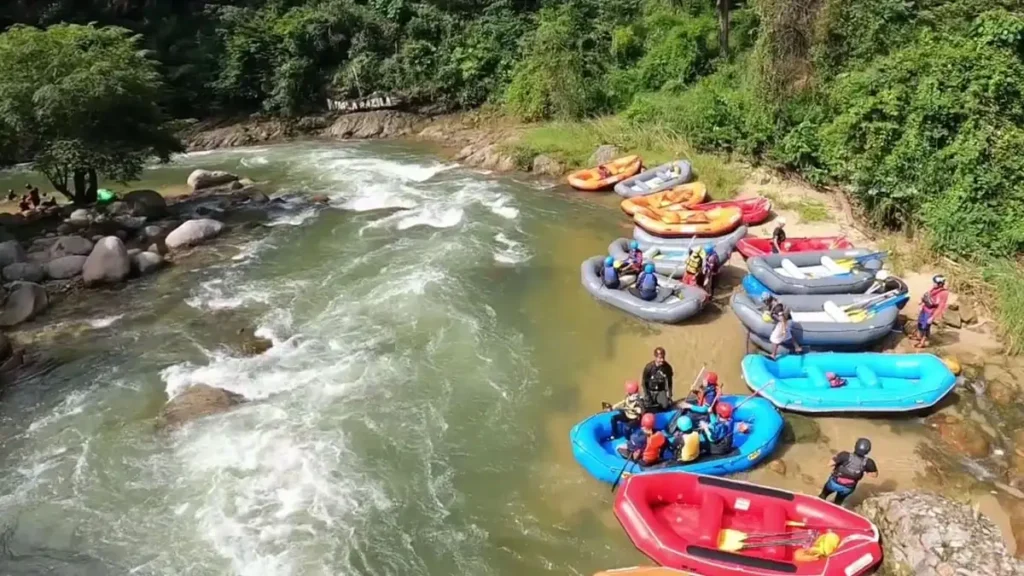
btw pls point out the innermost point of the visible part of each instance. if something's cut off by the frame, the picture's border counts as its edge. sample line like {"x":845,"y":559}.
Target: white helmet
{"x":939,"y":279}
{"x":882,"y":275}
{"x":780,"y":221}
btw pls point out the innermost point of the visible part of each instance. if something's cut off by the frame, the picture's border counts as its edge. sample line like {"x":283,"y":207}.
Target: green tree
{"x":80,"y":102}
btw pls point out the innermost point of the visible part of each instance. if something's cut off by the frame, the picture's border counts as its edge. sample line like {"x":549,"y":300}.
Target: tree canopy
{"x":80,"y":102}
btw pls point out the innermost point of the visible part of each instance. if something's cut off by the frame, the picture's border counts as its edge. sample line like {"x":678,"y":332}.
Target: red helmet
{"x":712,"y":378}
{"x":647,"y":421}
{"x":632,"y":387}
{"x":723,"y":410}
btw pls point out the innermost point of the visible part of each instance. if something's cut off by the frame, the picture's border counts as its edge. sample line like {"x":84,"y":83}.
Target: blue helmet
{"x":684,"y":424}
{"x":709,"y":248}
{"x":649,"y":268}
{"x":633,"y":245}
{"x":609,"y":261}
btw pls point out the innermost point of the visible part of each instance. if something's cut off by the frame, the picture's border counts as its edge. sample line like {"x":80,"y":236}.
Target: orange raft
{"x":686,"y":223}
{"x":618,"y":169}
{"x":678,"y":198}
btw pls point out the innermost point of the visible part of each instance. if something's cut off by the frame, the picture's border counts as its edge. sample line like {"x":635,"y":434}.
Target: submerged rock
{"x":964,"y":436}
{"x":108,"y":263}
{"x":200,"y":178}
{"x":252,"y":345}
{"x":193,"y":232}
{"x":25,"y":301}
{"x":925,"y":534}
{"x":146,"y":262}
{"x":198,"y":401}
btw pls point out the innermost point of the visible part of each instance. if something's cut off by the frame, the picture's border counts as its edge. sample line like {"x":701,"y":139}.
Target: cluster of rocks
{"x":926,"y":534}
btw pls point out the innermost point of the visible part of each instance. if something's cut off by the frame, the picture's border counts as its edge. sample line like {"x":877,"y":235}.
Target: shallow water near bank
{"x":432,"y":349}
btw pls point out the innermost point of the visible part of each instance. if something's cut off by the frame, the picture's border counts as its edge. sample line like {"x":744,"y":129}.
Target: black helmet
{"x":862,"y":447}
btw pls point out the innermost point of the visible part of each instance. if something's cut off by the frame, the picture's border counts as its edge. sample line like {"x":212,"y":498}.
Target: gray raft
{"x":670,"y":260}
{"x":655,"y":180}
{"x":781,"y":273}
{"x":675,"y":301}
{"x":815,"y":327}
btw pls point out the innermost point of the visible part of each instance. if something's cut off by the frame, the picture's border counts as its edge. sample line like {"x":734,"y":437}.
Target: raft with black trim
{"x":671,"y":260}
{"x":674,"y":303}
{"x":827,"y":272}
{"x":594,"y":444}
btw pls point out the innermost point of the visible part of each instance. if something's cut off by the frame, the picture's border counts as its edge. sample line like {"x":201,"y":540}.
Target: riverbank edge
{"x":487,"y":139}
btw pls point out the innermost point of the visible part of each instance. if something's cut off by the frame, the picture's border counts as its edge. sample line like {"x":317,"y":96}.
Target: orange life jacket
{"x":652,"y":452}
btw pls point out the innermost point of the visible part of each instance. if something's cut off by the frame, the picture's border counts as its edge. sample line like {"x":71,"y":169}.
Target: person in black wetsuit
{"x":847,"y":471}
{"x":657,"y":381}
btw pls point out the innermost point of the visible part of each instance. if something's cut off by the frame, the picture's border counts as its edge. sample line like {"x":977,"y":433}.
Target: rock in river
{"x":108,"y":263}
{"x":65,"y":267}
{"x":147,"y":262}
{"x":924,"y":534}
{"x":193,"y":232}
{"x":197,"y":401}
{"x":148,"y":203}
{"x":200,"y":179}
{"x":27,"y":271}
{"x":964,"y":436}
{"x":25,"y":300}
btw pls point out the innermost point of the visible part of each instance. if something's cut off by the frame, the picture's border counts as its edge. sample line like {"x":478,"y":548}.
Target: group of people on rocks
{"x":698,"y":426}
{"x":702,"y":425}
{"x":31,"y":199}
{"x":639,"y":277}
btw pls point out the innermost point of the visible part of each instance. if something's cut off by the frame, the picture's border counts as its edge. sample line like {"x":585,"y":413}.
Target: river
{"x":432,"y":349}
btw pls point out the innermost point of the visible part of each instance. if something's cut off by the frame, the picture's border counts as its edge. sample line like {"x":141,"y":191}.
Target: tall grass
{"x":572,"y":143}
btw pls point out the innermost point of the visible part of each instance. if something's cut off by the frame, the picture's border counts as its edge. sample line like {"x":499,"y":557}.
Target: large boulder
{"x":250,"y":344}
{"x":26,"y":271}
{"x":604,"y":154}
{"x":11,"y":252}
{"x":197,"y":401}
{"x":193,"y":232}
{"x":108,"y":263}
{"x":925,"y":534}
{"x":200,"y":179}
{"x":148,"y":203}
{"x":25,"y":300}
{"x":146,"y":262}
{"x":544,"y":164}
{"x":71,"y":246}
{"x":80,"y":218}
{"x":65,"y":267}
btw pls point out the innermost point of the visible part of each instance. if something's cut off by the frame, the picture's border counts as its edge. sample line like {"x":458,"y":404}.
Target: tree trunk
{"x":59,"y":180}
{"x":723,"y":27}
{"x":92,"y":186}
{"x":79,"y":178}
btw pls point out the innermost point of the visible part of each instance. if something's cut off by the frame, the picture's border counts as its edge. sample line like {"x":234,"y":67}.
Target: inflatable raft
{"x":824,"y":322}
{"x":595,"y":449}
{"x":755,"y":210}
{"x":619,"y":169}
{"x":644,"y":571}
{"x":689,"y":223}
{"x":671,"y":260}
{"x":752,"y":246}
{"x":828,"y":272}
{"x":680,"y":197}
{"x":675,"y":301}
{"x":655,"y":180}
{"x":646,"y":238}
{"x":755,"y":288}
{"x":874,"y":382}
{"x":691,"y":522}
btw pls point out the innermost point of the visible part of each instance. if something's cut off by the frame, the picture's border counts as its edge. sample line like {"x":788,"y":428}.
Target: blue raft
{"x":595,"y":450}
{"x":874,"y":382}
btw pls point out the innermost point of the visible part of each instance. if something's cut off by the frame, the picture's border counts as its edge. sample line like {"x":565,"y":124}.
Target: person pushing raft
{"x":933,"y":307}
{"x":712,"y":262}
{"x":694,"y":267}
{"x":657,"y":381}
{"x":778,"y":235}
{"x":847,"y":470}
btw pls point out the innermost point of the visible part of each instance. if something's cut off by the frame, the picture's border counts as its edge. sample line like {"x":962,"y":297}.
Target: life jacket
{"x":658,"y":382}
{"x":694,"y":264}
{"x":836,"y":382}
{"x":707,"y":394}
{"x":610,"y":276}
{"x":930,"y":298}
{"x":721,"y":436}
{"x":637,"y":441}
{"x":648,"y":286}
{"x":689,"y":447}
{"x":652,"y":451}
{"x":633,"y":409}
{"x":850,"y":472}
{"x":711,"y":263}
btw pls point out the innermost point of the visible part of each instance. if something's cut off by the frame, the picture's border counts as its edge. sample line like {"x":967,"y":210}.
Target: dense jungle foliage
{"x":917,"y":106}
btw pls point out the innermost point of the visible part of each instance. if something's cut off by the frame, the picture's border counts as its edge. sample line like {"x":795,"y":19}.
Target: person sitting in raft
{"x":686,"y":441}
{"x":629,"y":411}
{"x":657,"y":381}
{"x":694,"y":267}
{"x":712,"y":262}
{"x":778,"y":235}
{"x":933,"y":306}
{"x":718,"y":430}
{"x":609,"y":274}
{"x":646,"y":284}
{"x":834,"y":380}
{"x":644,"y":445}
{"x":847,"y":470}
{"x":634,"y":260}
{"x":704,"y":398}
{"x":603,"y":172}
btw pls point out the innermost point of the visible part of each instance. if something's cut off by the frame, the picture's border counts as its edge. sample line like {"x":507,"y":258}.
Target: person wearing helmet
{"x":644,"y":445}
{"x":718,"y":430}
{"x":629,"y":411}
{"x":847,"y":471}
{"x":712,"y":262}
{"x":933,"y":306}
{"x":635,"y":260}
{"x":778,"y":235}
{"x":646,"y":284}
{"x":657,"y":381}
{"x":782,"y":333}
{"x":686,"y":440}
{"x":609,"y":274}
{"x":694,"y":267}
{"x":704,"y":397}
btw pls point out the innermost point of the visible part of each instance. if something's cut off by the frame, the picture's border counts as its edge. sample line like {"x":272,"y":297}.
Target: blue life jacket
{"x":710,"y":393}
{"x":647,"y":284}
{"x":637,"y":441}
{"x":610,"y":276}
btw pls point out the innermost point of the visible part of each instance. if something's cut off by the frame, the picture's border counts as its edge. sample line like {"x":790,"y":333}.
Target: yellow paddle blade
{"x":731,"y":540}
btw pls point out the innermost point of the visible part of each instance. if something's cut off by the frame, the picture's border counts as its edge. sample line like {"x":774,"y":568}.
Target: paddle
{"x":621,"y":472}
{"x":835,"y":242}
{"x":851,"y":262}
{"x":861,"y":315}
{"x":731,"y":540}
{"x":870,"y":301}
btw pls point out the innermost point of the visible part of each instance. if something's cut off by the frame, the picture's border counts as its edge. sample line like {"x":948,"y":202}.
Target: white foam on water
{"x":293,"y":219}
{"x":343,"y":168}
{"x":104,"y":321}
{"x":432,"y":217}
{"x":73,"y":403}
{"x":255,"y":161}
{"x":219,"y":294}
{"x":376,"y":197}
{"x":511,"y":252}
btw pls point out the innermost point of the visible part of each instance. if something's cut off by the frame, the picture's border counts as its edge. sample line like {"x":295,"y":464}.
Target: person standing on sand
{"x":933,"y":306}
{"x":657,"y":381}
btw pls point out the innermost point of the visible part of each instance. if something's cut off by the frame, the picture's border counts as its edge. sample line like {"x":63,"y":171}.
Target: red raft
{"x":755,"y":210}
{"x":682,"y":521}
{"x":753,"y":246}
